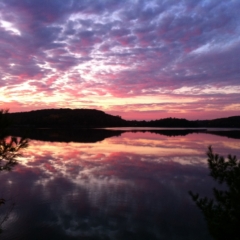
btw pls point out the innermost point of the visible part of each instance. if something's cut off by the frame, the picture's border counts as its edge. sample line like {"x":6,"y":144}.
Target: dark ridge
{"x":66,"y":118}
{"x":229,"y":122}
{"x":169,"y":122}
{"x":91,"y":118}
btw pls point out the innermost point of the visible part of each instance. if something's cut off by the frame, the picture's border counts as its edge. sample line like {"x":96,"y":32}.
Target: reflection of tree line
{"x":223,"y":213}
{"x":9,"y":151}
{"x":92,"y":135}
{"x":66,"y":134}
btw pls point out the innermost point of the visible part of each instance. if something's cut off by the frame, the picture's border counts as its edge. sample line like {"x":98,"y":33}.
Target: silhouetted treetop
{"x":91,"y":118}
{"x":223,"y":212}
{"x":67,"y":117}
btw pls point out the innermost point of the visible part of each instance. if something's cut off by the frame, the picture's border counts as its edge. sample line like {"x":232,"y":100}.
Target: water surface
{"x":130,"y":186}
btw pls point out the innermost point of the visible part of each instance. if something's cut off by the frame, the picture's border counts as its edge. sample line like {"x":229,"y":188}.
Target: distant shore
{"x":91,"y":118}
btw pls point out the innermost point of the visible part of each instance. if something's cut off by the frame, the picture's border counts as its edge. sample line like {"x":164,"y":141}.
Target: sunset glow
{"x":137,"y":59}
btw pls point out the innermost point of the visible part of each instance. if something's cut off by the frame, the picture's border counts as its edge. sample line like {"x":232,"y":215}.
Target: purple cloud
{"x":121,"y":48}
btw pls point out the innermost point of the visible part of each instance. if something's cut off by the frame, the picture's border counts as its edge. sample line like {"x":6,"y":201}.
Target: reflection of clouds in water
{"x":96,"y":210}
{"x":191,"y":145}
{"x":99,"y":189}
{"x":150,"y":143}
{"x":104,"y":163}
{"x":107,"y":207}
{"x":109,"y":161}
{"x":232,"y":145}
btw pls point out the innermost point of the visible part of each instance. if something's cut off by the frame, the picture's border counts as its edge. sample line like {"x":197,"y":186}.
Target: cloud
{"x":127,"y":48}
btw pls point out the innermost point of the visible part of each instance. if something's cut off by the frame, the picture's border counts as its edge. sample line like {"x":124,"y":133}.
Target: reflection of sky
{"x":131,"y":186}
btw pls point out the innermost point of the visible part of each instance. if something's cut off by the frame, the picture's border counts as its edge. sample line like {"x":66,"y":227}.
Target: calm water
{"x":131,"y":186}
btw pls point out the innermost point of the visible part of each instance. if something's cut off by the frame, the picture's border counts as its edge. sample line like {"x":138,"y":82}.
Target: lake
{"x":115,"y":185}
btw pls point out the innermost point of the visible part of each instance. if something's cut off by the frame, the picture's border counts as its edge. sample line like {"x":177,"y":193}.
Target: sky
{"x":138,"y":59}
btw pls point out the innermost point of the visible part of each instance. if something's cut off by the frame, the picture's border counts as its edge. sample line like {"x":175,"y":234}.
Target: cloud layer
{"x":137,"y":59}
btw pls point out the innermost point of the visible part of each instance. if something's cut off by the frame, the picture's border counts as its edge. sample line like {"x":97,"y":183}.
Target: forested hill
{"x":66,"y":118}
{"x":94,"y":118}
{"x":230,"y":122}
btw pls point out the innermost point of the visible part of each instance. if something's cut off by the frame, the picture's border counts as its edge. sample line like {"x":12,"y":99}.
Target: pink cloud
{"x":120,"y":49}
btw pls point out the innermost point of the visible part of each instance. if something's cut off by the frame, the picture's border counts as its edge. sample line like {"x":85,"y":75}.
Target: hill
{"x":91,"y":118}
{"x":230,"y":122}
{"x":66,"y":118}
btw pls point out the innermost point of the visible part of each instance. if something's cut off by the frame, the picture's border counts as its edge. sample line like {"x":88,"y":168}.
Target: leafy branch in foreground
{"x":9,"y":151}
{"x":223,"y":212}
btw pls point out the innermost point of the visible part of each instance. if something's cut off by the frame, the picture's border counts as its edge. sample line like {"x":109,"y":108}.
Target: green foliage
{"x":223,"y":212}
